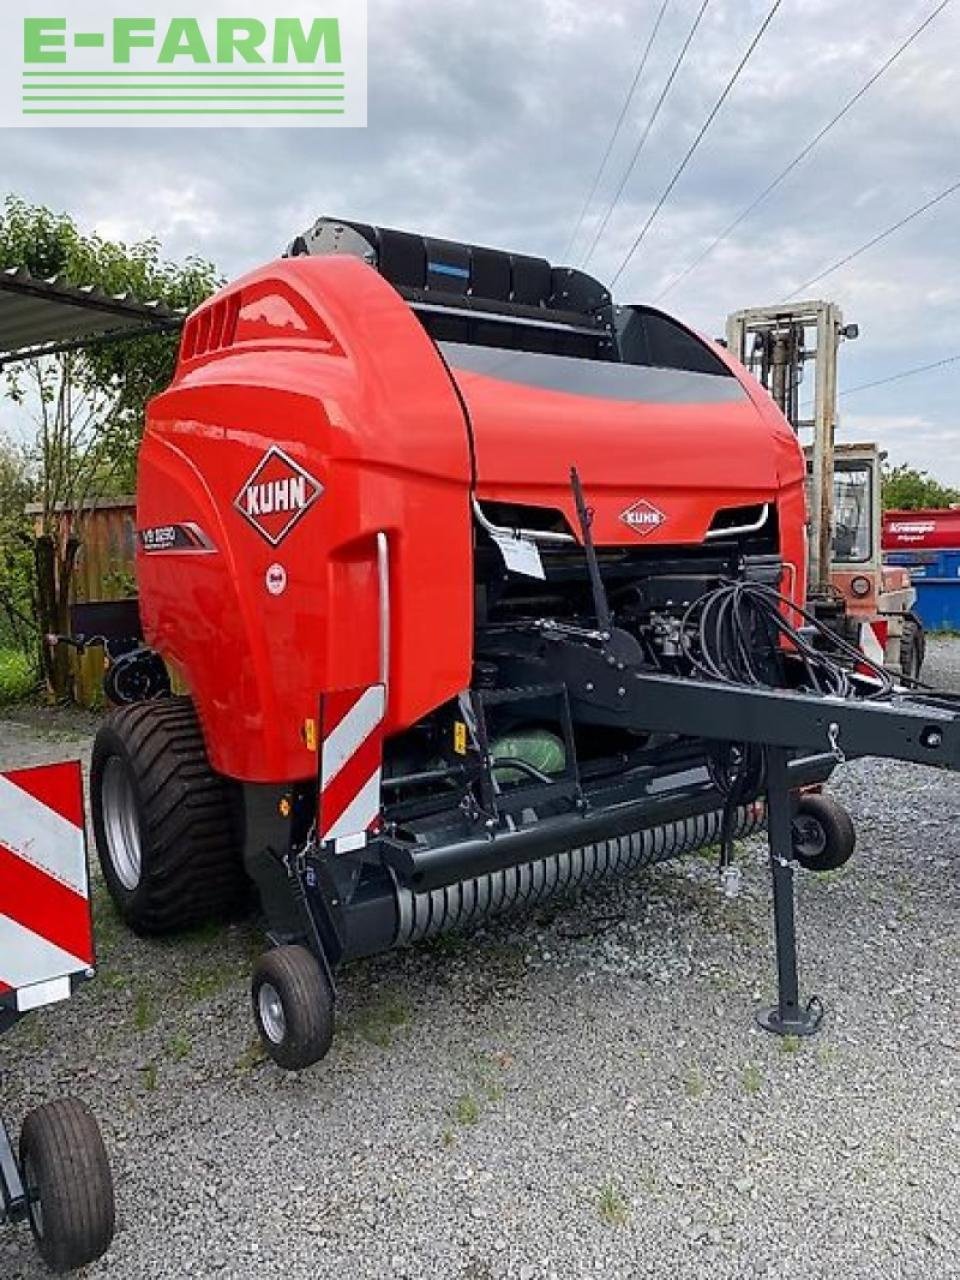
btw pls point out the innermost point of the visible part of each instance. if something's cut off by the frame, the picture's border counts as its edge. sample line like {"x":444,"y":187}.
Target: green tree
{"x":907,"y":489}
{"x":17,"y":606}
{"x":86,"y":406}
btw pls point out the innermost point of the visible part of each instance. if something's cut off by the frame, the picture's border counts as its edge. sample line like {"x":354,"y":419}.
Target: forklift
{"x":868,"y":603}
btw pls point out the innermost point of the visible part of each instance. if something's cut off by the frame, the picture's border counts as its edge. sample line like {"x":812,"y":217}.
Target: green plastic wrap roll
{"x":537,"y":747}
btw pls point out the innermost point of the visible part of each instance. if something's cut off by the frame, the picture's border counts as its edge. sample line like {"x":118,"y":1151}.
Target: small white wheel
{"x":292,"y":1007}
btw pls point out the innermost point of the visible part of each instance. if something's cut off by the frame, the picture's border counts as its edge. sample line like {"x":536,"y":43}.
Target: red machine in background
{"x":928,"y":530}
{"x":926,"y":546}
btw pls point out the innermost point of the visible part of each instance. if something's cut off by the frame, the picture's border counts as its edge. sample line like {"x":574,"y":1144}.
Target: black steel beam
{"x":901,"y":729}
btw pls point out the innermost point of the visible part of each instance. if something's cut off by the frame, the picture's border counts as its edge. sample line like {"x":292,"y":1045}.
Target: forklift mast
{"x":777,"y":344}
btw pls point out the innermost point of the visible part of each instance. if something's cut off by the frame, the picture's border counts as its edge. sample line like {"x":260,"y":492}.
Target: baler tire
{"x":292,"y":1007}
{"x":67,"y":1174}
{"x":185,"y":868}
{"x":824,"y":837}
{"x":912,"y":648}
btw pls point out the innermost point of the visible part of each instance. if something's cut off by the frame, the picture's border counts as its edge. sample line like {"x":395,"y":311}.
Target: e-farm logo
{"x":111,"y":62}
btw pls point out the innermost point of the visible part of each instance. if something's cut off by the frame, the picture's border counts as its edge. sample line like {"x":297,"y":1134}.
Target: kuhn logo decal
{"x":276,"y":495}
{"x":643,"y":517}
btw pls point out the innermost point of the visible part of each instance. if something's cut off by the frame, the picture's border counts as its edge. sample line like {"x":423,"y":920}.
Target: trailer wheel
{"x":912,"y":647}
{"x":293,"y":1007}
{"x":67,"y":1176}
{"x":824,"y":836}
{"x":164,"y":822}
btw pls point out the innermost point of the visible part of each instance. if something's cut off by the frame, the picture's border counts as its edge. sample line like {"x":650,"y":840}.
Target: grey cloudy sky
{"x":486,"y":122}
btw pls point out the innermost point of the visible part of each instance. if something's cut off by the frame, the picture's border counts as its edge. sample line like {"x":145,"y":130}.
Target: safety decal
{"x":275,"y":579}
{"x":643,"y":517}
{"x":351,"y":755}
{"x":46,"y":934}
{"x":278,"y":493}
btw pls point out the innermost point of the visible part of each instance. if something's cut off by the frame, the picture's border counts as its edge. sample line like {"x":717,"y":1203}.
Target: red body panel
{"x":687,"y":460}
{"x":321,"y":358}
{"x":931,"y":530}
{"x":373,"y":419}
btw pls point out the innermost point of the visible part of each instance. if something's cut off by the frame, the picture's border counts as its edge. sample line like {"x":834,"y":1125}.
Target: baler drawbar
{"x":483,"y":588}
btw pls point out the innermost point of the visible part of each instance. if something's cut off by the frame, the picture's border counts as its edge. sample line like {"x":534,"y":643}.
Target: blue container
{"x":936,"y":576}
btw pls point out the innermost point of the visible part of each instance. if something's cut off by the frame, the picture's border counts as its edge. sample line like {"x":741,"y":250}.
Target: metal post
{"x":786,"y":1018}
{"x":13,"y":1196}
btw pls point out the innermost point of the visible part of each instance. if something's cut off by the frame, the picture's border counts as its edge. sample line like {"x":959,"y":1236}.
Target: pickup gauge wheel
{"x":824,"y":836}
{"x":292,"y":1007}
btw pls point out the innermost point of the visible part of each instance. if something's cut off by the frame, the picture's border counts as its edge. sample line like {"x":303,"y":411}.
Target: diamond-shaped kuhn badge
{"x":643,"y":517}
{"x":277,"y":494}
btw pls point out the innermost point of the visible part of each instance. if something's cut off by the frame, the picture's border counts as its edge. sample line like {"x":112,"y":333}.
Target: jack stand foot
{"x":796,"y":1022}
{"x":787,"y":1017}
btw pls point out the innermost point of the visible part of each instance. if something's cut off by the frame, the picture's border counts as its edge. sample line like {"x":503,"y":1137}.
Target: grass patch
{"x":466,"y":1109}
{"x":180,"y":1047}
{"x":789,"y":1044}
{"x":144,"y":1013}
{"x":18,"y":677}
{"x":694,"y":1085}
{"x":379,"y":1022}
{"x":612,"y":1207}
{"x":201,"y":984}
{"x":254,"y":1055}
{"x":752,"y":1079}
{"x":149,"y":1076}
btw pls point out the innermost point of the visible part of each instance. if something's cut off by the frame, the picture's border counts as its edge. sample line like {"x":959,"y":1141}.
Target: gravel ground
{"x":578,"y":1093}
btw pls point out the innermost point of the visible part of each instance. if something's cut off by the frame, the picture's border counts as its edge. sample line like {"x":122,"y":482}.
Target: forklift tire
{"x":824,"y":836}
{"x":913,"y":648}
{"x":164,"y":822}
{"x":292,"y":1007}
{"x":67,"y":1176}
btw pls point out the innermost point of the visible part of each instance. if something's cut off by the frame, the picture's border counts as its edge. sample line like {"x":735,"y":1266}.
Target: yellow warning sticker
{"x":460,"y":737}
{"x":310,"y":734}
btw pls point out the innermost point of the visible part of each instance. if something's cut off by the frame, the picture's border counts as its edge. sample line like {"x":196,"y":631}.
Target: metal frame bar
{"x":12,"y":1190}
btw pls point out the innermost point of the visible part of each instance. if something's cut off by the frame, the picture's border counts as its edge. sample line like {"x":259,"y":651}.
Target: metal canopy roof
{"x":42,"y":317}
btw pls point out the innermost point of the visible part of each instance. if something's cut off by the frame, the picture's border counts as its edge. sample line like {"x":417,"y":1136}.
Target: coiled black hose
{"x":729,"y":633}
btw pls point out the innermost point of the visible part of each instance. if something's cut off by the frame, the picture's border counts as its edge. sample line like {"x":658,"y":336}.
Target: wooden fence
{"x":104,"y":571}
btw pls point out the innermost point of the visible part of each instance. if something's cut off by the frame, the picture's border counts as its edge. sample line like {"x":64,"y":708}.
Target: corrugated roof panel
{"x":37,"y":316}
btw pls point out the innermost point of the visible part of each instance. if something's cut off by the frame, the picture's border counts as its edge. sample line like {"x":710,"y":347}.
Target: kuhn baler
{"x":483,"y":588}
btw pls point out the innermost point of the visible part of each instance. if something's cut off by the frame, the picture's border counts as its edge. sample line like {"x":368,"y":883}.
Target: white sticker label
{"x":520,"y":555}
{"x":276,"y":579}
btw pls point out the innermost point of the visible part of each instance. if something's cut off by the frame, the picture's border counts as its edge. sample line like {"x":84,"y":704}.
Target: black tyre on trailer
{"x":913,"y":647}
{"x":292,"y":1007}
{"x":824,"y":836}
{"x":165,"y":824}
{"x":66,"y":1174}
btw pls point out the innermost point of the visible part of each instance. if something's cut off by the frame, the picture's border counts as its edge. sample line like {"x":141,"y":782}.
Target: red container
{"x":921,"y":530}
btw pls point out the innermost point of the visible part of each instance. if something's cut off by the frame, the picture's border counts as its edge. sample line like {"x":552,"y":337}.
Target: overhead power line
{"x":715,"y":111}
{"x":875,"y":240}
{"x":646,"y":132}
{"x":904,"y":373}
{"x":616,"y":128}
{"x":802,"y":154}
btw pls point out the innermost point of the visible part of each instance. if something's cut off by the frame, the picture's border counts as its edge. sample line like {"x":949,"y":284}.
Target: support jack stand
{"x":787,"y":1017}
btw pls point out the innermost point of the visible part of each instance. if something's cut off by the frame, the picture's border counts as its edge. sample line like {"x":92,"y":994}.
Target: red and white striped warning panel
{"x":351,"y":755}
{"x":46,"y":932}
{"x":873,"y":643}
